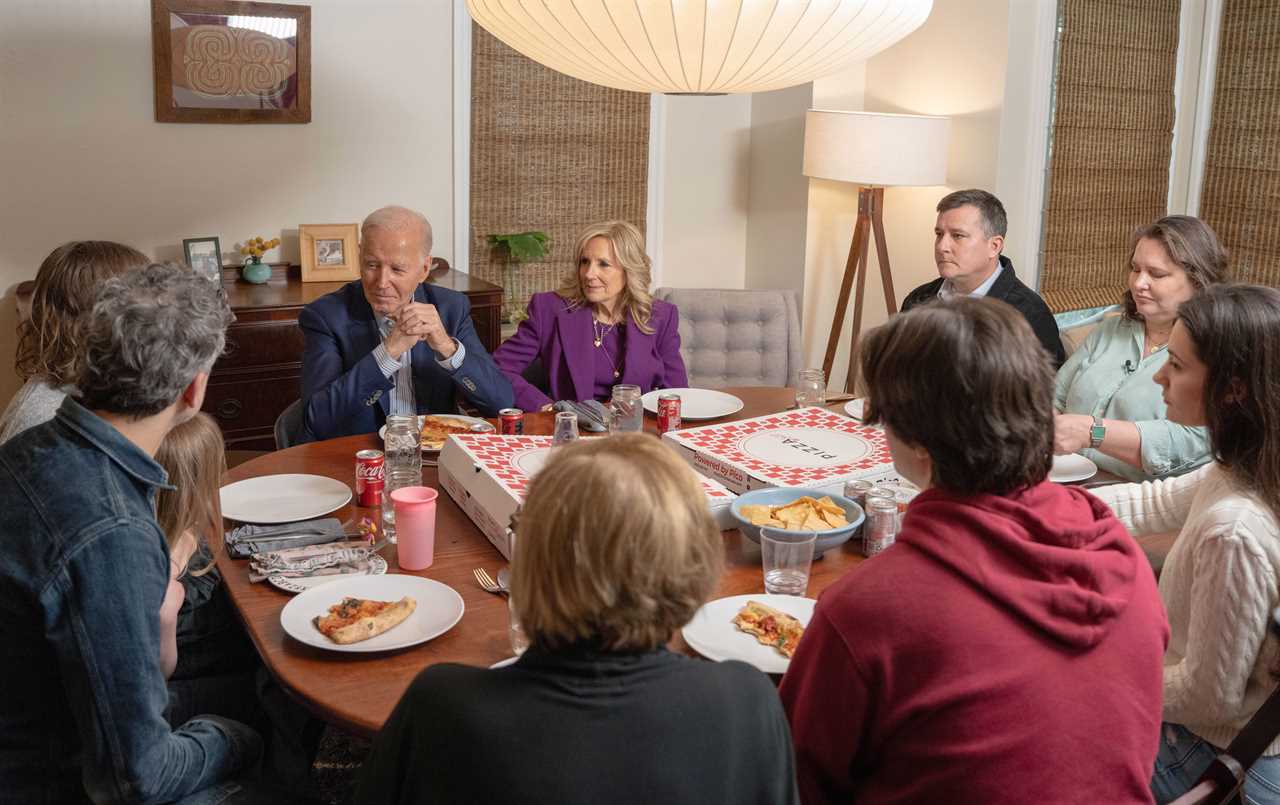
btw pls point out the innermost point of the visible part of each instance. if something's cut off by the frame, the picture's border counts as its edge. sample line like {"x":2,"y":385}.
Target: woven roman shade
{"x":1240,"y":197}
{"x":550,"y":153}
{"x":1109,"y":145}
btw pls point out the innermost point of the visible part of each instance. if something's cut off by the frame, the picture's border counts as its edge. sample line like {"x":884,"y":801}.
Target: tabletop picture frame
{"x":329,"y":252}
{"x":204,"y":255}
{"x":231,"y":61}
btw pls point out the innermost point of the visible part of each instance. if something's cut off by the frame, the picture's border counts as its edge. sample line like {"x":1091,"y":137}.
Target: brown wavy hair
{"x":614,"y":547}
{"x":628,"y":247}
{"x":1236,"y":332}
{"x":67,"y":283}
{"x":194,"y":457}
{"x":1191,"y":244}
{"x":994,"y":431}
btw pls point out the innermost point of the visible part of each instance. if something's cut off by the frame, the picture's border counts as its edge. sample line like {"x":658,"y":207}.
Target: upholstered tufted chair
{"x":737,"y":338}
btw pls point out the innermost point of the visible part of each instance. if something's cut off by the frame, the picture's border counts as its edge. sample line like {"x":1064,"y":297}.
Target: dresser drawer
{"x":248,"y":401}
{"x":257,"y":344}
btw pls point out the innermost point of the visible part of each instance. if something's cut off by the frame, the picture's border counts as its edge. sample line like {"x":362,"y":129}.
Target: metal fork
{"x":487,"y":583}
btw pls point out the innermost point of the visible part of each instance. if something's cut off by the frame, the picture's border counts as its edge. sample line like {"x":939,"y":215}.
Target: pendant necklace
{"x":600,"y":331}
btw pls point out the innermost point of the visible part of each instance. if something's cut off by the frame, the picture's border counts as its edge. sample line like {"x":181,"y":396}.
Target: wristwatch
{"x":1097,"y":432}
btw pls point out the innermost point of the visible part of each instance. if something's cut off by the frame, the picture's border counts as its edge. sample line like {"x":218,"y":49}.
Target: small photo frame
{"x":330,"y":252}
{"x":204,"y":255}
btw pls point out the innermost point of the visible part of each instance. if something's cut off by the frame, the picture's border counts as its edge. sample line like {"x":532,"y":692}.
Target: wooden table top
{"x":358,"y":691}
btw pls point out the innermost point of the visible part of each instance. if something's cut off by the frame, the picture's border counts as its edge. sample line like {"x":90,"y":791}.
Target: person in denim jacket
{"x":84,"y":566}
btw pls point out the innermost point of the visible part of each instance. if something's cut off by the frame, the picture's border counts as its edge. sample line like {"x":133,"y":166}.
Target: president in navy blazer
{"x":389,"y":343}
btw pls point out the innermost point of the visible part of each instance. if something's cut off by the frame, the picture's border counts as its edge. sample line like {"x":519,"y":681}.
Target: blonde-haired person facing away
{"x":615,"y":550}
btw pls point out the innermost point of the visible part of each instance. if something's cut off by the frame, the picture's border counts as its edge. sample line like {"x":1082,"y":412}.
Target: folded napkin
{"x":311,"y":560}
{"x":291,"y":535}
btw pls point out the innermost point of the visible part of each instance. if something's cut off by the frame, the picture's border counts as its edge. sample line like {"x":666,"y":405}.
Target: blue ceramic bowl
{"x":827,"y":539}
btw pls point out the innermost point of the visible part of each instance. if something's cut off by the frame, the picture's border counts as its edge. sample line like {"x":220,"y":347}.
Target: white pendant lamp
{"x":699,"y":46}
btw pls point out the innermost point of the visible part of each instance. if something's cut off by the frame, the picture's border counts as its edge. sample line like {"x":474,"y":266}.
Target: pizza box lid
{"x":807,"y":447}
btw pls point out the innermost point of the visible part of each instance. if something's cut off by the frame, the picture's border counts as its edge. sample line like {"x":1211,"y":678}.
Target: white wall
{"x":778,"y":200}
{"x":705,"y":175}
{"x":81,"y":156}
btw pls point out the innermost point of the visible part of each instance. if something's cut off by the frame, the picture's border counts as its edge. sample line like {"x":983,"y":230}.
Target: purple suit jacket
{"x":562,"y":339}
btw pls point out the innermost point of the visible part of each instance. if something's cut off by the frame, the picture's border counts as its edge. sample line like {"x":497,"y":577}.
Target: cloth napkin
{"x":311,"y":560}
{"x":307,"y":532}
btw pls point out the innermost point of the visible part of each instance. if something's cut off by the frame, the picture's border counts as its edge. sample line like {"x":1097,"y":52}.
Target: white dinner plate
{"x":439,"y":608}
{"x":506,"y":662}
{"x":856,"y":408}
{"x":1072,"y":467}
{"x":282,"y":498}
{"x":712,"y":634}
{"x":696,"y":403}
{"x":478,"y":425}
{"x":373,"y":566}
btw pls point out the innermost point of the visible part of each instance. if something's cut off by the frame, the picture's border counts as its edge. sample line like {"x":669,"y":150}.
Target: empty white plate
{"x":1071,"y":468}
{"x":283,"y":498}
{"x":712,"y":634}
{"x":439,"y":608}
{"x":856,"y":408}
{"x":696,"y":403}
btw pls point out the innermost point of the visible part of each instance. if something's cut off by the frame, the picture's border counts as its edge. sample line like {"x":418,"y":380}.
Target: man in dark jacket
{"x":967,"y":241}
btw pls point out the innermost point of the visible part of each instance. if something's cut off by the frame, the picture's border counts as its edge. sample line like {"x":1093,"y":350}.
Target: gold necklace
{"x":600,"y":331}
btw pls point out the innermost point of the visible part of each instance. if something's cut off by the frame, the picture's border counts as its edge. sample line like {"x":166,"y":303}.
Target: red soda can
{"x":511,"y":421}
{"x":370,"y":477}
{"x":668,"y":412}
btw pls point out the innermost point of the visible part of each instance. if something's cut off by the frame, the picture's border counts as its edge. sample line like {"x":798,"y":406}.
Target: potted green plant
{"x":517,"y":248}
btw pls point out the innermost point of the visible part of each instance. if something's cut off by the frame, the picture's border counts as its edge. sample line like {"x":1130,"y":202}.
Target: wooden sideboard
{"x":260,"y":372}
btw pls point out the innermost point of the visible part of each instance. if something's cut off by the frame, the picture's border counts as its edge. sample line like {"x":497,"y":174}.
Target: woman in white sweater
{"x":1221,"y":579}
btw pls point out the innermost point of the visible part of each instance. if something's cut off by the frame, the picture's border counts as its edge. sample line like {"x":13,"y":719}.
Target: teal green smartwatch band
{"x":1097,"y":433}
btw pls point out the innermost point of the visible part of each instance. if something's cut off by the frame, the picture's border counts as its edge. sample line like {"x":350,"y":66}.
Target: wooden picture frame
{"x":193,"y":43}
{"x":204,"y":261}
{"x":329,"y":252}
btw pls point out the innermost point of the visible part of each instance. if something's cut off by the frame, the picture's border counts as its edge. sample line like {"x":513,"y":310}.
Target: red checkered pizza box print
{"x":726,"y":442}
{"x":498,"y":454}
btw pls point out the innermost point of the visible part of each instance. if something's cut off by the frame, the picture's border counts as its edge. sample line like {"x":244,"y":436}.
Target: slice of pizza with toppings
{"x":352,"y":620}
{"x":435,"y":429}
{"x":772,"y":627}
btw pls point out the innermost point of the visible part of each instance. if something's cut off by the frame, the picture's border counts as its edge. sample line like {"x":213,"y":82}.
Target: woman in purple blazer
{"x":600,"y":328}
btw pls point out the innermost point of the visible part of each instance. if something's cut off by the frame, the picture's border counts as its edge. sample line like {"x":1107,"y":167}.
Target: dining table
{"x":357,"y":691}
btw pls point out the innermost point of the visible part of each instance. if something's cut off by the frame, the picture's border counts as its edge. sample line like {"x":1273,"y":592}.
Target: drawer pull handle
{"x":229,"y":409}
{"x":230,"y":348}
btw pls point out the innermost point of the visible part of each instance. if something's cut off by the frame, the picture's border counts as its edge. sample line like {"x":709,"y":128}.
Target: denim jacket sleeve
{"x":103,"y":625}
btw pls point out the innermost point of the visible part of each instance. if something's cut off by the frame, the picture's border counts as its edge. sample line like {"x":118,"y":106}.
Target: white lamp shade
{"x":869,"y":148}
{"x":699,"y":46}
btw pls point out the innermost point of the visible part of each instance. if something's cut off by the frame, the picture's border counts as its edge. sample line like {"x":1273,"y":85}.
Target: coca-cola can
{"x":668,"y":412}
{"x":511,"y":421}
{"x":370,"y":477}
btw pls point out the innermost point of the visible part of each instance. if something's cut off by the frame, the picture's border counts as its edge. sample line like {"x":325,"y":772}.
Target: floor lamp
{"x":874,"y":151}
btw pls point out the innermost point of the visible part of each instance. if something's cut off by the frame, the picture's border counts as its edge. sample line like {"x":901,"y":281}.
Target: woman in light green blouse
{"x":1109,"y":406}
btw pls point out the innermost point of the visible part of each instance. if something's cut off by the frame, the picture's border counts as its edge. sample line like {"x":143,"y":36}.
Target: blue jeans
{"x":1184,"y":756}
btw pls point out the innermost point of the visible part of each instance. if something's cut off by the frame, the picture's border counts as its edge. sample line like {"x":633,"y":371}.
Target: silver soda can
{"x":882,"y":524}
{"x":857,"y":491}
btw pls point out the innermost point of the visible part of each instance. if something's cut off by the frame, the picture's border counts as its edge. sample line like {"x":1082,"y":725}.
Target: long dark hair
{"x":1236,"y":331}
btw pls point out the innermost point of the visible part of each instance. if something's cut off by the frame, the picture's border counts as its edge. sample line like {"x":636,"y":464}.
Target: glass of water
{"x":566,"y":428}
{"x":811,"y":388}
{"x":787,"y":557}
{"x":626,"y":412}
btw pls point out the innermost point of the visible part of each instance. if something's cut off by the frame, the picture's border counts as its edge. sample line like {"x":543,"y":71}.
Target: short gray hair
{"x":994,"y":220}
{"x":151,"y":331}
{"x":396,"y":217}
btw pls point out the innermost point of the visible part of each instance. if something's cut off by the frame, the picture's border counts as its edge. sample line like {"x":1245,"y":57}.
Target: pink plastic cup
{"x":415,"y":526}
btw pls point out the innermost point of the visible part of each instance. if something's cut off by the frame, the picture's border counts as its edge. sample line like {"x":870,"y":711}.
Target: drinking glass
{"x":402,"y":447}
{"x":566,"y":428}
{"x":787,"y":557}
{"x":626,"y":413}
{"x":811,"y":388}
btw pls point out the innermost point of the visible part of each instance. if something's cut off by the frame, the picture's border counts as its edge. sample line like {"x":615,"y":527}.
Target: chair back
{"x":731,"y":337}
{"x":289,"y":426}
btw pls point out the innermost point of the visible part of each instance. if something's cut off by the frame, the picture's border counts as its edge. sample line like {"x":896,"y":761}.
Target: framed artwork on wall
{"x":329,"y":252}
{"x":231,"y":61}
{"x":204,"y":255}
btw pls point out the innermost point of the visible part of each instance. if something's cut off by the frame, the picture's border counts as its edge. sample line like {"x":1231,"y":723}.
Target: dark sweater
{"x":585,"y":727}
{"x":1007,"y":288}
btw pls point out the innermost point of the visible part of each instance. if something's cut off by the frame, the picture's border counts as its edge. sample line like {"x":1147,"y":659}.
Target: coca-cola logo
{"x":370,"y":472}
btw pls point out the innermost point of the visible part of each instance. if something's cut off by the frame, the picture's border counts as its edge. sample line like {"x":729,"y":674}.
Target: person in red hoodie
{"x":1007,"y":648}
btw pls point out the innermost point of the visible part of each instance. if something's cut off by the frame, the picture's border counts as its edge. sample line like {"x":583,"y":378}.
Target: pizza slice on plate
{"x":435,"y":429}
{"x":772,"y":627}
{"x":354,"y":619}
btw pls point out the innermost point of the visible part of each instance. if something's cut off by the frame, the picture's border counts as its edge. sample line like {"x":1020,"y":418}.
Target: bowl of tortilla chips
{"x":832,"y":518}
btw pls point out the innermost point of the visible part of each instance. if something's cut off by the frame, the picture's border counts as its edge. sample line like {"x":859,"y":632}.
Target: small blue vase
{"x":257,"y":273}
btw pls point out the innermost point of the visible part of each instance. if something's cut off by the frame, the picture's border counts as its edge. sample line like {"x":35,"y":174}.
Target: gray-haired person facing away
{"x":85,"y":570}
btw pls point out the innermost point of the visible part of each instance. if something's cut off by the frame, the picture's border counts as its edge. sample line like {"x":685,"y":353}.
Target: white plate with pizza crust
{"x":439,"y":609}
{"x":712,"y":634}
{"x":476,"y":424}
